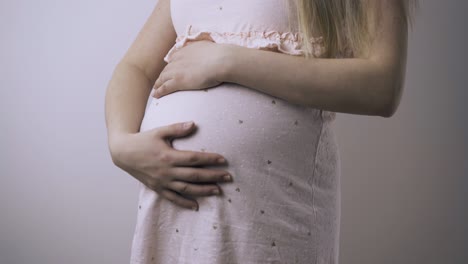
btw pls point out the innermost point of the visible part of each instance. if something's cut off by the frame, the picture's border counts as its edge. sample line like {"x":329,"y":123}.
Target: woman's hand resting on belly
{"x":150,"y":158}
{"x":199,"y":65}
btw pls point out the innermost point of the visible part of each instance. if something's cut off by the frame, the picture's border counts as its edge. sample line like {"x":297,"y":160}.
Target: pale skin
{"x":367,"y":86}
{"x":370,"y":85}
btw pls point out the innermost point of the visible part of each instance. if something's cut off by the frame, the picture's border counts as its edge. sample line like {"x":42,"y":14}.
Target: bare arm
{"x":148,"y":156}
{"x":134,"y":76}
{"x":367,"y":86}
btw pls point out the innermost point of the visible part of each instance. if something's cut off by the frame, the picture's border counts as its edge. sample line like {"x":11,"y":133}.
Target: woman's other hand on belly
{"x":196,"y":66}
{"x":150,"y":158}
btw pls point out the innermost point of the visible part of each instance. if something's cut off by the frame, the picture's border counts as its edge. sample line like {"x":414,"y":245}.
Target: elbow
{"x":388,"y":77}
{"x":388,"y":111}
{"x":391,"y":100}
{"x":391,"y":83}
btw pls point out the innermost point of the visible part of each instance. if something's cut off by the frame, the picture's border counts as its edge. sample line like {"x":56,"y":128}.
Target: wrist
{"x":227,"y":62}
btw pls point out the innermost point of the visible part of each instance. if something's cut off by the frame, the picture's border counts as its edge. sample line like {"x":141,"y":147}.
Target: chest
{"x":234,"y":16}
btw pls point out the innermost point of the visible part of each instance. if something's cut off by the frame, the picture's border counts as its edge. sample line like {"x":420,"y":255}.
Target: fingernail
{"x":227,"y":177}
{"x":215,"y":191}
{"x":188,"y":124}
{"x":221,"y":160}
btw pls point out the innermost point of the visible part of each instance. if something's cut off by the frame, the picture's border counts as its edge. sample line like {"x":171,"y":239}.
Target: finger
{"x":195,"y":158}
{"x":179,"y":199}
{"x":166,"y":88}
{"x":175,"y":130}
{"x":191,"y":189}
{"x":199,"y":175}
{"x":163,"y":77}
{"x":157,"y":83}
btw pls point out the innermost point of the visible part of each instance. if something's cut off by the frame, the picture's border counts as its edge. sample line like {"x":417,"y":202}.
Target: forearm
{"x":125,"y":102}
{"x":349,"y":85}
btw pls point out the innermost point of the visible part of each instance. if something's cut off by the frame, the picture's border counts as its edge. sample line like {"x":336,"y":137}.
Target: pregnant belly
{"x":282,"y":199}
{"x":260,"y":135}
{"x":231,"y":118}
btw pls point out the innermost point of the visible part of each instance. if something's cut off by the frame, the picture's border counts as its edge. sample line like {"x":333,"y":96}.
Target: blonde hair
{"x":341,"y":24}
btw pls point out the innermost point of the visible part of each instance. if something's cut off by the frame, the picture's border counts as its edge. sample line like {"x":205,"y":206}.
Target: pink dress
{"x":284,"y":203}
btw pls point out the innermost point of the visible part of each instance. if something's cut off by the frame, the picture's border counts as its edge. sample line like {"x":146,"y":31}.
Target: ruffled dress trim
{"x":284,"y":42}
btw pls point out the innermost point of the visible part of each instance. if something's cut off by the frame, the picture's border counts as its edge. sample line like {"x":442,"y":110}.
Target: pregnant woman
{"x":262,"y":81}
